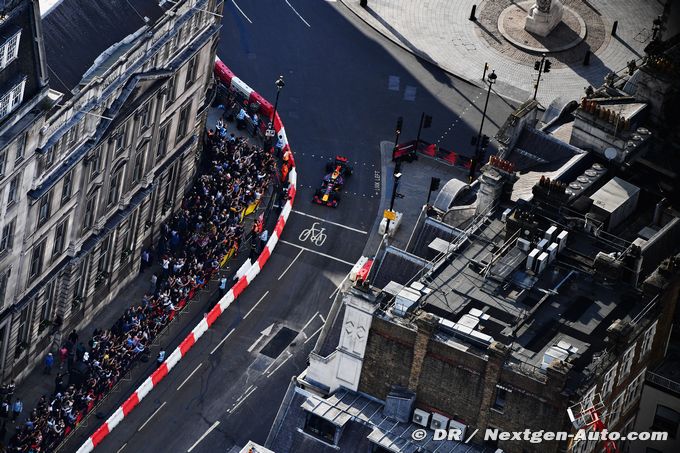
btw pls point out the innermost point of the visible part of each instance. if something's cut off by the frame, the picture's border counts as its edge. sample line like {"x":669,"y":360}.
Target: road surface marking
{"x":256,"y":304}
{"x":309,"y":322}
{"x":121,"y":448}
{"x":410,"y":93}
{"x":291,"y":263}
{"x":242,"y":399}
{"x":314,"y":234}
{"x":265,"y":333}
{"x":322,"y":318}
{"x":328,"y":221}
{"x":214,"y":425}
{"x":188,"y":377}
{"x":149,"y":419}
{"x":298,"y":14}
{"x":241,"y":11}
{"x":223,"y":340}
{"x":314,"y":334}
{"x":280,"y":365}
{"x":318,"y":253}
{"x":247,"y":390}
{"x":393,"y":83}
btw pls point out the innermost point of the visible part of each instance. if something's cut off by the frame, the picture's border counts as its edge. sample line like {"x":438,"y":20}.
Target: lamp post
{"x":479,"y":145}
{"x":397,"y":177}
{"x":279,"y":86}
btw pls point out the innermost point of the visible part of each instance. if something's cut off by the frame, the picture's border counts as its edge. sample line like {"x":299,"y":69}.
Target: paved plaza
{"x":440,"y":32}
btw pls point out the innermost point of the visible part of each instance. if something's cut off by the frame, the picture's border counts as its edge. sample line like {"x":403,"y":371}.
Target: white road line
{"x":280,"y":364}
{"x":214,"y":425}
{"x":149,"y":419}
{"x":223,"y":340}
{"x":256,"y":304}
{"x":244,"y":15}
{"x":242,"y":399}
{"x":188,"y":377}
{"x":328,"y":221}
{"x":121,"y":448}
{"x":291,"y":263}
{"x":309,"y":322}
{"x":318,"y":253}
{"x":314,"y":334}
{"x":298,"y":14}
{"x":244,"y":393}
{"x":322,"y":318}
{"x":337,"y":288}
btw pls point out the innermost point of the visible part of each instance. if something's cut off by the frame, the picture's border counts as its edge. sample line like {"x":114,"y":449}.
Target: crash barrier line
{"x":228,"y":78}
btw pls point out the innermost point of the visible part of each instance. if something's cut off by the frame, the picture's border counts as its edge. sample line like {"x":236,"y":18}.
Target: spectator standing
{"x":264,"y":236}
{"x":17,"y":409}
{"x":154,"y":283}
{"x":73,"y":337}
{"x":223,"y":286}
{"x":146,"y":259}
{"x":161,"y":356}
{"x":49,"y":361}
{"x":4,"y":409}
{"x":63,"y":356}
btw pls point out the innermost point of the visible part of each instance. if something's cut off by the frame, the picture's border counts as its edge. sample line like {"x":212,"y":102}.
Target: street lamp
{"x":279,"y":86}
{"x":480,"y":143}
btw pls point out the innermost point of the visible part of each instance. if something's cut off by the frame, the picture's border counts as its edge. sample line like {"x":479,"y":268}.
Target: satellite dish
{"x":610,"y":153}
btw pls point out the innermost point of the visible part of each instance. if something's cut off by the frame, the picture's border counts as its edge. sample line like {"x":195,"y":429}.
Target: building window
{"x":9,"y":49}
{"x":169,"y":187}
{"x":95,"y":162}
{"x":627,"y":361}
{"x":46,"y":307}
{"x":608,"y":381}
{"x":37,"y":260}
{"x":103,"y":263}
{"x":183,"y":126}
{"x":12,"y":99}
{"x":13,"y":195}
{"x":192,"y":68}
{"x":3,"y":162}
{"x":615,"y":410}
{"x":648,"y":340}
{"x":501,"y":397}
{"x":163,"y":140}
{"x":666,"y":419}
{"x":81,"y":280}
{"x":21,"y":145}
{"x":320,"y":428}
{"x":60,"y":238}
{"x":4,"y":280}
{"x":170,"y":92}
{"x":90,"y":209}
{"x":23,"y":336}
{"x":634,"y":389}
{"x":44,"y":208}
{"x":145,"y":116}
{"x":138,"y":169}
{"x":7,"y":238}
{"x":114,"y":188}
{"x":67,"y":187}
{"x":120,"y":139}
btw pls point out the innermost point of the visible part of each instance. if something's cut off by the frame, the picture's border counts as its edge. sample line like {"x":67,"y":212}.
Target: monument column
{"x":543,"y":17}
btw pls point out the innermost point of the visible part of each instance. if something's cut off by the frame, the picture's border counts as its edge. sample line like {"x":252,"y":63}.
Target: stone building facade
{"x":91,"y":170}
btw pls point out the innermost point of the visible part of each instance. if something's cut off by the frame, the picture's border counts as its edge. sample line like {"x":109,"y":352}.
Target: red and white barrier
{"x":228,"y":78}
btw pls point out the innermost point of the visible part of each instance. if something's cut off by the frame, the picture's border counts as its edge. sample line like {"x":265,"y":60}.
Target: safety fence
{"x":246,"y":96}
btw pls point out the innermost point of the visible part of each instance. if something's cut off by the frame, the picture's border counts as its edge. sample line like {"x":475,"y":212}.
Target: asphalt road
{"x":345,"y":87}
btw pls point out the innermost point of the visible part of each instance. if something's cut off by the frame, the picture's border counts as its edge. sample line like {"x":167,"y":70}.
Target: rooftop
{"x":77,"y":32}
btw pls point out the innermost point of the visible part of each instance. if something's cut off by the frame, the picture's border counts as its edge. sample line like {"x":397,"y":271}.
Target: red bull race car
{"x":329,"y":193}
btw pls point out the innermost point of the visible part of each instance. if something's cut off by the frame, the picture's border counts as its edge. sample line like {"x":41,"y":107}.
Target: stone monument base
{"x":540,"y":23}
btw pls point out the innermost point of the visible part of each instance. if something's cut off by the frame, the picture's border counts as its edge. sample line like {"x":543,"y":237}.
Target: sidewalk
{"x":37,"y":383}
{"x":439,"y":31}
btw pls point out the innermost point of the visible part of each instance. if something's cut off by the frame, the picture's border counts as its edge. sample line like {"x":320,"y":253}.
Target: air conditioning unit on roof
{"x":439,"y":422}
{"x":420,"y":417}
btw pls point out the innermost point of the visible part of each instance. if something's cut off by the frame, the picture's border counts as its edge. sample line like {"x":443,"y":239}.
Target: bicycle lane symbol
{"x":313,"y":234}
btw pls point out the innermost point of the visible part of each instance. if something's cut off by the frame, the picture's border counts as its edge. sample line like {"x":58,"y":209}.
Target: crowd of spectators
{"x":193,"y":245}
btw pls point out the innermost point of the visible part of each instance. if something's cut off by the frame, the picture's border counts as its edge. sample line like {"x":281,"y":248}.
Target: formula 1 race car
{"x":329,"y":193}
